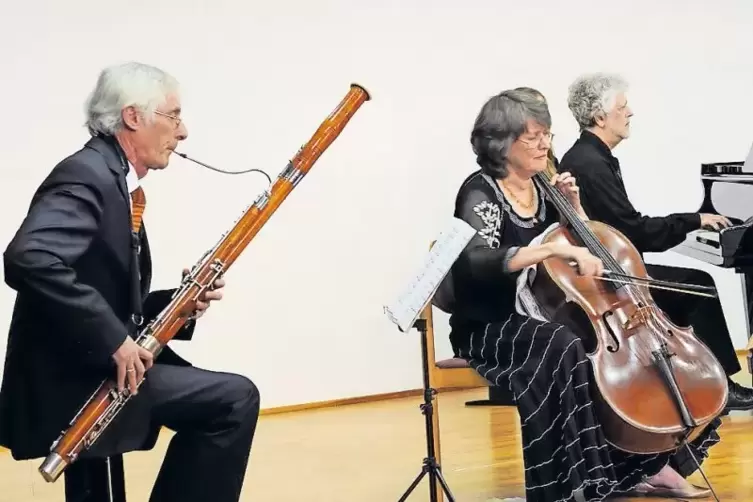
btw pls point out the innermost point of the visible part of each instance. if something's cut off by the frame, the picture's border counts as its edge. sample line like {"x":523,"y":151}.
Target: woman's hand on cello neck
{"x":566,"y":184}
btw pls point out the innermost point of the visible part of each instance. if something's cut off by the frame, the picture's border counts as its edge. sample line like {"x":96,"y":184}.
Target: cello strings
{"x":589,"y":238}
{"x":594,"y":245}
{"x":638,"y":349}
{"x":611,"y":265}
{"x":583,"y":231}
{"x":636,"y":345}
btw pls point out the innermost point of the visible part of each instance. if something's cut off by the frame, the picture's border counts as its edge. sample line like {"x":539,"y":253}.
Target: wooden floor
{"x":371,"y":452}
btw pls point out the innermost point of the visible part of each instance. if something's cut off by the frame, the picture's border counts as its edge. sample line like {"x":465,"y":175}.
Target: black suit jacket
{"x":604,"y":198}
{"x":71,"y":263}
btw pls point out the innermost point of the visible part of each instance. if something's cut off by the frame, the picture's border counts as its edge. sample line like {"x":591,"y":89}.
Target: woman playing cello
{"x":544,"y":364}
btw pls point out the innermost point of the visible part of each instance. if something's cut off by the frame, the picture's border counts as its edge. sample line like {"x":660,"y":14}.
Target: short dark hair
{"x":498,"y":125}
{"x":538,"y":94}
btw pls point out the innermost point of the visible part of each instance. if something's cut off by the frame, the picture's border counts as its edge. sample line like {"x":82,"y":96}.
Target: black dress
{"x":544,"y":364}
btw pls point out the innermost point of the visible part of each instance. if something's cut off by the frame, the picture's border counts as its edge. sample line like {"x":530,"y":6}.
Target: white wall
{"x":303,"y":311}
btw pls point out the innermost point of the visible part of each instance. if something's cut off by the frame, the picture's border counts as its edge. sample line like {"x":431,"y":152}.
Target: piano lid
{"x":732,"y":198}
{"x":730,"y":172}
{"x":728,"y":188}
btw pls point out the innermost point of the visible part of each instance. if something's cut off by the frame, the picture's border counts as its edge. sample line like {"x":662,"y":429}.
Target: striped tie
{"x":138,"y":204}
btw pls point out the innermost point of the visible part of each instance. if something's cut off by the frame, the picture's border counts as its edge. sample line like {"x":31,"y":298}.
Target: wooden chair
{"x":95,"y":480}
{"x":446,"y":374}
{"x":454,"y":373}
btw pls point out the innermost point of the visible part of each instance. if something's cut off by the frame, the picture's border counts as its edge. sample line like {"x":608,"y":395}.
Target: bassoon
{"x":107,"y":401}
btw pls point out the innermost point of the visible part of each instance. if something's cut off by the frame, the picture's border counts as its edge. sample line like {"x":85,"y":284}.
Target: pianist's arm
{"x":604,"y":199}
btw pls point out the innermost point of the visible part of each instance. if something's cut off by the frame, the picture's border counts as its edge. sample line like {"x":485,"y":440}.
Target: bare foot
{"x":669,"y":478}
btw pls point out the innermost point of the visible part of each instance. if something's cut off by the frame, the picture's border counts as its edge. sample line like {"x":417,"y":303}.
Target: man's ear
{"x":132,"y":119}
{"x":600,"y":118}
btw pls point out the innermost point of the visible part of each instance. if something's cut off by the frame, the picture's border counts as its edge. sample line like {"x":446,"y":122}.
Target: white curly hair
{"x":128,"y":84}
{"x":593,"y":93}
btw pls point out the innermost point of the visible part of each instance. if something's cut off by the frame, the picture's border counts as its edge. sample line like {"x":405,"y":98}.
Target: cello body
{"x":645,"y":403}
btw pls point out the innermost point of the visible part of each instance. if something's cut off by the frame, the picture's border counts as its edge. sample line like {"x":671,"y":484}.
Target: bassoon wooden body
{"x":106,"y":402}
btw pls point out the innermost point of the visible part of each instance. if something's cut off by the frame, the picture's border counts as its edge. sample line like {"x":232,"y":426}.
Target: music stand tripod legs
{"x":430,"y":465}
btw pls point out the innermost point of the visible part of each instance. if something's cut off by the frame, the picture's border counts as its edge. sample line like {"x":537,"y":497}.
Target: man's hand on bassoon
{"x":132,"y":361}
{"x":210,"y":295}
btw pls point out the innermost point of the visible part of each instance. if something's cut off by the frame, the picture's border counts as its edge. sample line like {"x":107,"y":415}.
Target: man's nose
{"x":182,"y":132}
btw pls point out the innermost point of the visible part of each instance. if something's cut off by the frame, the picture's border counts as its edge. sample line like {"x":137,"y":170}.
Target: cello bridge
{"x":639,"y":318}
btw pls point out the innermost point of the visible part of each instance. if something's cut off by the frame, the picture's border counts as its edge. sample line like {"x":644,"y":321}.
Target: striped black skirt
{"x":566,"y":456}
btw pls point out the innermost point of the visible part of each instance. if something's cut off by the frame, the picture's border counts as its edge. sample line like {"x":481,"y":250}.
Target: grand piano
{"x":728,"y":190}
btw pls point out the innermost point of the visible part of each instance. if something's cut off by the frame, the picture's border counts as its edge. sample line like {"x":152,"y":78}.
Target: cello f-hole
{"x":610,"y":347}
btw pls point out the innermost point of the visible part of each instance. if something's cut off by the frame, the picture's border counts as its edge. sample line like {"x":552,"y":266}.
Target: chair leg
{"x":117,"y":478}
{"x":96,"y":480}
{"x":437,"y":450}
{"x":498,"y":396}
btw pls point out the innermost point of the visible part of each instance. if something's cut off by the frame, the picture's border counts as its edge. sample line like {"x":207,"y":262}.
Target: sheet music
{"x":450,"y":243}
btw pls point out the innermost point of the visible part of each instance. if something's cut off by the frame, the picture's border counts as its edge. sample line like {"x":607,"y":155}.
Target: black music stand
{"x":407,"y":312}
{"x":430,"y":465}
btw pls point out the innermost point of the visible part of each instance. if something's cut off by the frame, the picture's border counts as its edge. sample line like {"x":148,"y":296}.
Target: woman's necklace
{"x":532,"y":197}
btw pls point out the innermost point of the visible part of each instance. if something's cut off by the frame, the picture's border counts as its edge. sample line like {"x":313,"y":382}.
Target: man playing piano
{"x":599,"y":104}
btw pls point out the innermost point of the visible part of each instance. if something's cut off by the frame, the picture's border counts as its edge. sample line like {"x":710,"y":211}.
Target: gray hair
{"x":501,"y":121}
{"x":593,"y":93}
{"x":128,"y":84}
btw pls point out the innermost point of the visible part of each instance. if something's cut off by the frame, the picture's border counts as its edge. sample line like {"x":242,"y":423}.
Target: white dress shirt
{"x":132,"y":180}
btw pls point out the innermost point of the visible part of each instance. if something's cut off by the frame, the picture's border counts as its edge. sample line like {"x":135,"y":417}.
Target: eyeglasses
{"x":177,"y":120}
{"x":536,"y":141}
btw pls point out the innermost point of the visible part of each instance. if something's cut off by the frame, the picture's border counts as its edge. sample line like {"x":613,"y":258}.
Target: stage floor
{"x":371,"y":452}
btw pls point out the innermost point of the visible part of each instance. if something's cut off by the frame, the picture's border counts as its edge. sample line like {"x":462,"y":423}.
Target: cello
{"x":657,"y":386}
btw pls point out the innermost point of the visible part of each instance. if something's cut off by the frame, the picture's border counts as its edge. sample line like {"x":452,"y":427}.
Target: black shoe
{"x":740,"y":398}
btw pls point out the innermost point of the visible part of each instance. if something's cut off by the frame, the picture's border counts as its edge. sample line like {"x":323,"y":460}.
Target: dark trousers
{"x":214,"y":416}
{"x":704,"y":314}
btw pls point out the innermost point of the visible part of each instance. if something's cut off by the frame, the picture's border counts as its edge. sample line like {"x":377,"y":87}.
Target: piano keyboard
{"x":728,"y":248}
{"x":702,"y":245}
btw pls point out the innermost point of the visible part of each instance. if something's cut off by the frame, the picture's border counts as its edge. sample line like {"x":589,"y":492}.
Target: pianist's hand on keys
{"x":714,"y":221}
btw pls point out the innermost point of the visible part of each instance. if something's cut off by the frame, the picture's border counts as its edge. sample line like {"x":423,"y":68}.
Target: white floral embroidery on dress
{"x":490,"y":215}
